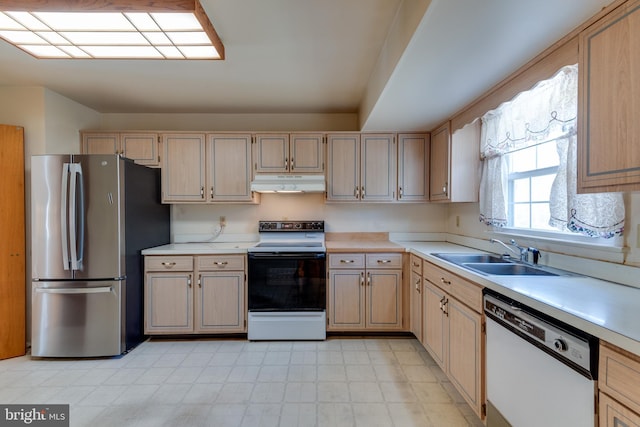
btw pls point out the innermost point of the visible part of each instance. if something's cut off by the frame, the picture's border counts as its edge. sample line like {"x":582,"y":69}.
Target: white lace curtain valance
{"x":548,"y":112}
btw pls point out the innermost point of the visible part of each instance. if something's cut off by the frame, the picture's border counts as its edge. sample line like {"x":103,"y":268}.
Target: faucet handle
{"x":536,"y":254}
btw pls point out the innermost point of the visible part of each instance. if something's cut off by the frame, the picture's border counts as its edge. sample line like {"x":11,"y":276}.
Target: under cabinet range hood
{"x":288,"y":184}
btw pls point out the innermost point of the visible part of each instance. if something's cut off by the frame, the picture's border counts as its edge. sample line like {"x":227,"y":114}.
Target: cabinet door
{"x":306,"y":153}
{"x":465,"y":354}
{"x":229,"y":168}
{"x":101,"y":143}
{"x":613,"y":414}
{"x":413,"y":167}
{"x":168,"y":303}
{"x":415,"y":288}
{"x":183,"y":171}
{"x":220,"y":302}
{"x":141,"y":147}
{"x":343,"y":167}
{"x":272,"y":153}
{"x":440,"y":163}
{"x":346,"y":299}
{"x":384,"y":299}
{"x":378,"y":168}
{"x":608,"y":108}
{"x":434,"y":328}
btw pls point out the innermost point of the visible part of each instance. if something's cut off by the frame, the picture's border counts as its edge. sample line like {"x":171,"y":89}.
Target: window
{"x":529,"y":151}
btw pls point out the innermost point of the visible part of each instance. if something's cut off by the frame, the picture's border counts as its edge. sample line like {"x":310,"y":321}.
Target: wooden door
{"x":229,"y":168}
{"x":306,"y":153}
{"x":413,"y":167}
{"x":415,"y":287}
{"x":168,"y":302}
{"x":101,"y":143}
{"x":434,"y":328}
{"x":343,"y":167}
{"x":220,"y":302}
{"x":439,"y":164}
{"x":608,"y":108}
{"x":346,"y":299}
{"x":272,"y":153}
{"x":12,"y":243}
{"x":141,"y":147}
{"x":183,"y":170}
{"x":466,"y":353}
{"x":378,"y":168}
{"x":384,"y":299}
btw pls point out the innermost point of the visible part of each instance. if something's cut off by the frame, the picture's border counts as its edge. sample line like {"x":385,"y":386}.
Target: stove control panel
{"x":290,"y":226}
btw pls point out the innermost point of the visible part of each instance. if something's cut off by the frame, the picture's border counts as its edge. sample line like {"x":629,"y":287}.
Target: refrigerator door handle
{"x":98,"y":290}
{"x":64,"y":221}
{"x":76,"y":230}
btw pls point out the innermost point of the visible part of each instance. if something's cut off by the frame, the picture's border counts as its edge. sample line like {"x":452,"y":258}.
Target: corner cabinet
{"x":297,"y":153}
{"x":142,"y":147}
{"x":365,"y":292}
{"x":455,"y":164}
{"x":361,"y":167}
{"x":454,"y":332}
{"x":181,"y":299}
{"x":608,"y":111}
{"x":206,"y":168}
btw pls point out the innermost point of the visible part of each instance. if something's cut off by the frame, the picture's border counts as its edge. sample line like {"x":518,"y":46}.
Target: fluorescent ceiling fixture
{"x":110,"y":29}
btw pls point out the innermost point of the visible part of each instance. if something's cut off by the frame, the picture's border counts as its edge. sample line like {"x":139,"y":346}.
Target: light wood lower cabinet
{"x":619,"y":386}
{"x":365,"y":292}
{"x":453,"y":331}
{"x":415,"y":299}
{"x":191,"y":295}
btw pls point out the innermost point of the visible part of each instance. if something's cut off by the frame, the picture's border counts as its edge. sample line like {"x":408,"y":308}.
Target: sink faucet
{"x":523,"y":252}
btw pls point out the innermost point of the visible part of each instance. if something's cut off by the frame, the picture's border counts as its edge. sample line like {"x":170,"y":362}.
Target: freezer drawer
{"x":79,"y":319}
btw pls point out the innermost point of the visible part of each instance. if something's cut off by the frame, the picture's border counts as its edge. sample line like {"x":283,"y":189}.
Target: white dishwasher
{"x":540,"y":372}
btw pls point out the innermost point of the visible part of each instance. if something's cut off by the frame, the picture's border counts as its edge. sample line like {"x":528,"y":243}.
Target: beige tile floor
{"x":229,"y":382}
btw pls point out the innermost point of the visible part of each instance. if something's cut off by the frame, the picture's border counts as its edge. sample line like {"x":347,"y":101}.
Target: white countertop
{"x":607,"y":310}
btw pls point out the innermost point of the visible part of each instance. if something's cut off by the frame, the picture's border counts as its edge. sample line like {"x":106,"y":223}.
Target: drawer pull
{"x":346,"y":261}
{"x":169,"y":264}
{"x":446,"y":282}
{"x":220,"y":263}
{"x":362,"y":279}
{"x":384,"y":261}
{"x":415,"y":264}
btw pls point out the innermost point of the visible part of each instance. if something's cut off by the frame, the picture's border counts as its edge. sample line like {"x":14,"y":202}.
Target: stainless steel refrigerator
{"x":91,"y":215}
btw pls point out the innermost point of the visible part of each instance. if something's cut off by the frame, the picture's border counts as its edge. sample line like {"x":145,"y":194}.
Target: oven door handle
{"x":287,"y":255}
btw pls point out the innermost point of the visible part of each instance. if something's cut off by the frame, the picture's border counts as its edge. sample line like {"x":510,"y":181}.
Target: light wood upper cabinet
{"x":413,"y":167}
{"x":228,"y":168}
{"x":455,"y":164}
{"x":361,"y":167}
{"x":183,"y":169}
{"x":142,"y":147}
{"x":608,"y":108}
{"x":289,"y":153}
{"x":206,"y":168}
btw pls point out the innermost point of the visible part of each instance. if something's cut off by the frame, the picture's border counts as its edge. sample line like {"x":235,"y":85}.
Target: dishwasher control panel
{"x":551,"y":337}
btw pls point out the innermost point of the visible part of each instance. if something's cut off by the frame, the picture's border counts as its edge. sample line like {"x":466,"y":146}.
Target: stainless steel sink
{"x":508,"y":269}
{"x":462,"y":258}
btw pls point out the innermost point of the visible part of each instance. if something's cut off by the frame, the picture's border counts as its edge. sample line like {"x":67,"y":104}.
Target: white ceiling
{"x":317,"y":56}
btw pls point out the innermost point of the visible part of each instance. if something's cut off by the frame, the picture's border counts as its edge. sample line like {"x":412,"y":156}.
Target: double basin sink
{"x":494,"y":265}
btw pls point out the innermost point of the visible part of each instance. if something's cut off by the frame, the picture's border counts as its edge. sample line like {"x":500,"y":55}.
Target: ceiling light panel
{"x":164,"y":29}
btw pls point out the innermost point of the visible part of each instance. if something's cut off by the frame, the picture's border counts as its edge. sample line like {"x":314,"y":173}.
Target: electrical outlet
{"x":223,"y":221}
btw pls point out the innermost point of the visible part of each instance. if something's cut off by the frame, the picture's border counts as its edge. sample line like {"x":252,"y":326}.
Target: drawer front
{"x":464,"y":291}
{"x":416,"y":264}
{"x":613,"y":414}
{"x":375,"y":260}
{"x":346,"y":261}
{"x":168,"y":263}
{"x":620,"y":376}
{"x":221,"y":262}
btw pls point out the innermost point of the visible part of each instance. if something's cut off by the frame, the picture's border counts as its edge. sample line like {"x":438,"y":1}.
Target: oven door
{"x":287,"y":281}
